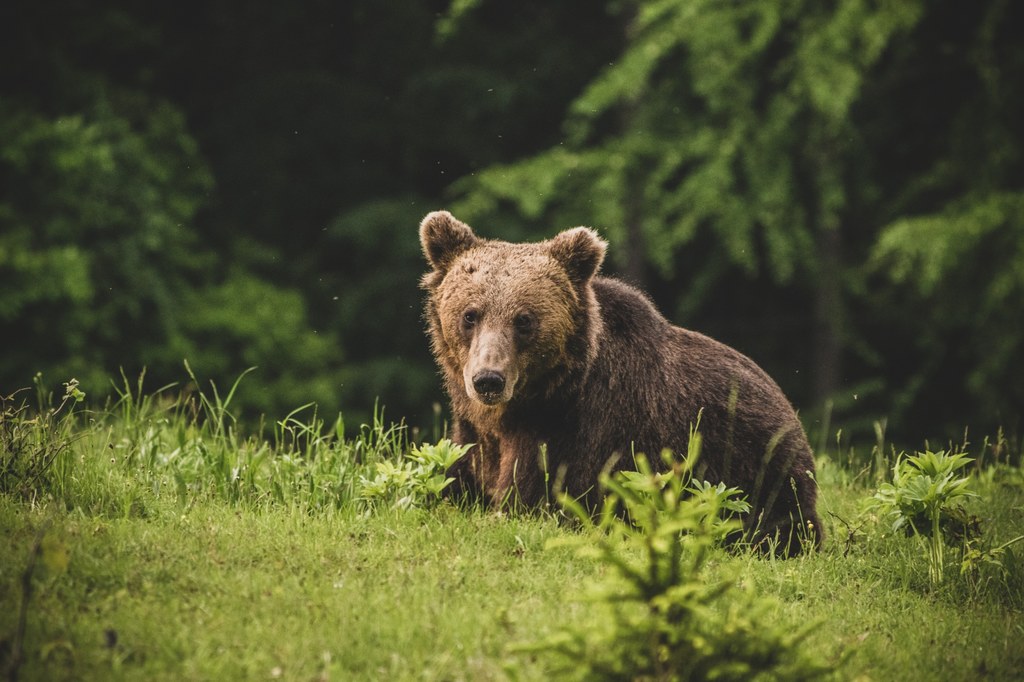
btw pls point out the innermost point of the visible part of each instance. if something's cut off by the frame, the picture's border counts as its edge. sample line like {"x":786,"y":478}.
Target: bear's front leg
{"x":523,"y":475}
{"x":465,"y":487}
{"x":477,"y":472}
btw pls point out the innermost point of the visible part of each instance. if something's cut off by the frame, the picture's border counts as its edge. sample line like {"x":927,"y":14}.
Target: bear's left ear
{"x":443,"y":238}
{"x":580,"y":251}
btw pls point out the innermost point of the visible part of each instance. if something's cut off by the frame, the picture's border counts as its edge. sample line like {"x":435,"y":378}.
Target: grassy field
{"x":152,"y":541}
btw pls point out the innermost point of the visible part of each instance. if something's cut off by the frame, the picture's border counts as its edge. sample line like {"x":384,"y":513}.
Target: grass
{"x":222,"y":594}
{"x":165,"y":544}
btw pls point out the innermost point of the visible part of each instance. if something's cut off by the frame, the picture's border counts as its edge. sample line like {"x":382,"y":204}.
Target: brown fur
{"x":537,"y":350}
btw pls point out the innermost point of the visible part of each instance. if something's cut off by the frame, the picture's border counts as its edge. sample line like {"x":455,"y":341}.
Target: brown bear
{"x":539,"y":352}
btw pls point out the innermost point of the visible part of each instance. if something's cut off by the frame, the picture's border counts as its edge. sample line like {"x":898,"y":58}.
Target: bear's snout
{"x":489,"y":385}
{"x":490,"y":373}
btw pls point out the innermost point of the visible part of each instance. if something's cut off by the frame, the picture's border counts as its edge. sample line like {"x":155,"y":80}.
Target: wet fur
{"x":624,"y":380}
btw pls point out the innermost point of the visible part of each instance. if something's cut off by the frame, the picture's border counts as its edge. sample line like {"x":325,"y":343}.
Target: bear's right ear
{"x":444,"y":238}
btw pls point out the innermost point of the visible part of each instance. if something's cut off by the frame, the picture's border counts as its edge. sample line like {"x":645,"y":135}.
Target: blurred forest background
{"x":834,"y":188}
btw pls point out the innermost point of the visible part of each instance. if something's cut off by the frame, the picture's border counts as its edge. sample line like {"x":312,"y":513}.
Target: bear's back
{"x":638,"y":338}
{"x":654,"y":380}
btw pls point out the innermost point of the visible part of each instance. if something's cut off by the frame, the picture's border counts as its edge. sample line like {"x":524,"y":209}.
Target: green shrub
{"x":921,"y":502}
{"x":414,"y":480}
{"x":660,"y":613}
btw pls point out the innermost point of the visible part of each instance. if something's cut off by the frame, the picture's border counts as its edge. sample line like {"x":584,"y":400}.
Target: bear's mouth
{"x":490,"y":387}
{"x":490,"y":398}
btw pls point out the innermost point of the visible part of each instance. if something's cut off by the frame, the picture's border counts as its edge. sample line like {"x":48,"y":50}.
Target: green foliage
{"x":981,"y":566}
{"x":922,"y":501}
{"x":200,"y":451}
{"x":245,"y":321}
{"x":448,"y":24}
{"x":31,"y":443}
{"x":664,"y":614}
{"x":925,"y":251}
{"x":94,"y":231}
{"x":415,"y":480}
{"x":935,"y":259}
{"x":702,"y":143}
{"x":192,"y":447}
{"x":374,"y":308}
{"x":773,"y":149}
{"x":240,"y":206}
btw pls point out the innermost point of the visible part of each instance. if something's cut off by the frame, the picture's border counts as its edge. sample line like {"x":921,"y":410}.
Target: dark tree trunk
{"x":827,"y":337}
{"x":635,"y":267}
{"x":635,"y":264}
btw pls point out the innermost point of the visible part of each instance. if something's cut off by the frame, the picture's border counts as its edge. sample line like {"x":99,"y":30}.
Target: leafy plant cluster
{"x":30,"y":444}
{"x":921,"y":499}
{"x":925,"y":499}
{"x":662,"y":613}
{"x":416,"y":480}
{"x":189,"y":446}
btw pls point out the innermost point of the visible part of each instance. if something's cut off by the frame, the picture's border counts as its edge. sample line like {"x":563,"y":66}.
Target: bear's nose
{"x":489,"y":382}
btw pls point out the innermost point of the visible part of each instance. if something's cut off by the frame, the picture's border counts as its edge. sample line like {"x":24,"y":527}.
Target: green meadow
{"x":155,"y":540}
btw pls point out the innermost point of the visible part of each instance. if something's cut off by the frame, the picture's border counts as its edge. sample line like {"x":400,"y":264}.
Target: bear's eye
{"x":524,"y":324}
{"x":470,"y":318}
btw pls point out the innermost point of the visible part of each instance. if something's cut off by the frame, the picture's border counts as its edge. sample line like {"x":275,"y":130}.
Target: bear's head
{"x":509,"y":320}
